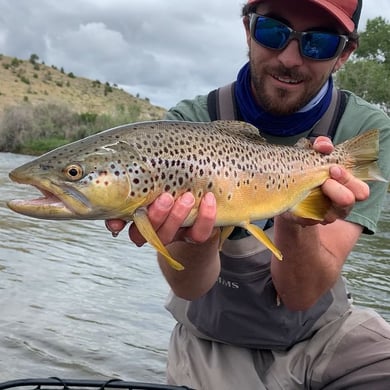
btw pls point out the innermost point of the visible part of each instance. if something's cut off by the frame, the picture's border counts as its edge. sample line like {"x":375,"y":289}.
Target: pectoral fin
{"x":314,"y":206}
{"x":143,"y":224}
{"x":263,"y":238}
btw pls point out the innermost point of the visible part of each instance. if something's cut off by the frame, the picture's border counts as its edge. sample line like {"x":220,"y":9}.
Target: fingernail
{"x":322,"y":141}
{"x":336,"y":172}
{"x":165,"y":201}
{"x":187,"y":199}
{"x":209,"y":198}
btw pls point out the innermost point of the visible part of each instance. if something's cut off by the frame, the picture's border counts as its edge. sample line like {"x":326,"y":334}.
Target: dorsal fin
{"x":303,"y":143}
{"x":240,"y":128}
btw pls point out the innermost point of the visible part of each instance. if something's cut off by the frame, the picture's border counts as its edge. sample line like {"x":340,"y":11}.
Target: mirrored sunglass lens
{"x":271,"y":33}
{"x":320,"y":45}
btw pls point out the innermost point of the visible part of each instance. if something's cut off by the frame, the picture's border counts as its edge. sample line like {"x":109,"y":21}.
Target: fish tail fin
{"x":363,"y":151}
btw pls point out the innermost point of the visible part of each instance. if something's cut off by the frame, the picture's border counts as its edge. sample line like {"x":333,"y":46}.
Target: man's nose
{"x":291,"y":56}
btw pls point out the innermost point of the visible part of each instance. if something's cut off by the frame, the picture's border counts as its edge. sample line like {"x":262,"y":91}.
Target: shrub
{"x":24,"y":79}
{"x":15,"y":62}
{"x":36,"y":129}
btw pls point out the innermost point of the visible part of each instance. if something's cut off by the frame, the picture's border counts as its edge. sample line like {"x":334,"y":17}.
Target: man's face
{"x":282,"y":80}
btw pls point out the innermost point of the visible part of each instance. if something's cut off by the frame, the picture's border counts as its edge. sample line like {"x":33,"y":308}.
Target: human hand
{"x":342,"y":188}
{"x":167,"y":217}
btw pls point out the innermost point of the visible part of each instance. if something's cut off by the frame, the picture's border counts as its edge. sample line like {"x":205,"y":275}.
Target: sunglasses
{"x":316,"y":45}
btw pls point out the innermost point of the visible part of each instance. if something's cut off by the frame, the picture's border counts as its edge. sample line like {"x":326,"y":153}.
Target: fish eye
{"x":74,"y":172}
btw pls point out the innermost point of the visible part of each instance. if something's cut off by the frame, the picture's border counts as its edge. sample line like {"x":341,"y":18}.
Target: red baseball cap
{"x":347,"y":12}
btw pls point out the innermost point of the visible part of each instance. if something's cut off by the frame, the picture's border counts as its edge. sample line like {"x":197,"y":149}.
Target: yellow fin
{"x":143,"y":224}
{"x":314,"y":206}
{"x":226,"y":232}
{"x":364,"y":150}
{"x":263,"y":238}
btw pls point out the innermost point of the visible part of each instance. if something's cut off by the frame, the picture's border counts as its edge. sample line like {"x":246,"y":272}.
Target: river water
{"x":78,"y":303}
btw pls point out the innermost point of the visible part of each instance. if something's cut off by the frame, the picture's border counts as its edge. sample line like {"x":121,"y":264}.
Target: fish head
{"x":82,"y":180}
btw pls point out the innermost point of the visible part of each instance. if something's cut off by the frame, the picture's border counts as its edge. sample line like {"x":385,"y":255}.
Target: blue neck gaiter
{"x":276,"y":125}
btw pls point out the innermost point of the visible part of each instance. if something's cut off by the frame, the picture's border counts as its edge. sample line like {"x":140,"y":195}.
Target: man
{"x":245,"y":319}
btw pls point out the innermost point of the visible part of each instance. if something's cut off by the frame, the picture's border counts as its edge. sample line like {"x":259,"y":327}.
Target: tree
{"x":34,"y":58}
{"x":367,"y":73}
{"x":375,"y":42}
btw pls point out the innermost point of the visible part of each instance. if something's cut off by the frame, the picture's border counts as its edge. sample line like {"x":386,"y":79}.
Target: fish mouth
{"x":57,"y":202}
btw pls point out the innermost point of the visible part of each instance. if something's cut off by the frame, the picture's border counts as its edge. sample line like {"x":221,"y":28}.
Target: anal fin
{"x":314,"y":206}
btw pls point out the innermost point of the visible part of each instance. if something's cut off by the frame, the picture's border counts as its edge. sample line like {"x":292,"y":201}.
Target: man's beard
{"x":280,"y":102}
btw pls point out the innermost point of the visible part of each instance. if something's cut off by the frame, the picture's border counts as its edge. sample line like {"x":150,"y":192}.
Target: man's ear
{"x":245,"y":22}
{"x":344,"y":56}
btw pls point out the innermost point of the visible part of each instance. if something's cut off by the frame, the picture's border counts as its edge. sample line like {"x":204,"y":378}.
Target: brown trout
{"x":117,"y":173}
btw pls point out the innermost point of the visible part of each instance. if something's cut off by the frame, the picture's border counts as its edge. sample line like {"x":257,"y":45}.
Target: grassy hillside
{"x":42,"y":107}
{"x":33,"y":82}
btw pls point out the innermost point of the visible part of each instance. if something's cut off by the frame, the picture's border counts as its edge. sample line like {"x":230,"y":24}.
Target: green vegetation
{"x":37,"y":129}
{"x":34,"y":58}
{"x":367,"y":73}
